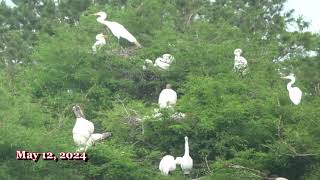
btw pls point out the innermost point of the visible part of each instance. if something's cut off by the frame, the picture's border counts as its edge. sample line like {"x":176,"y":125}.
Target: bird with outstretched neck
{"x":118,"y":30}
{"x":295,"y":93}
{"x":186,"y":161}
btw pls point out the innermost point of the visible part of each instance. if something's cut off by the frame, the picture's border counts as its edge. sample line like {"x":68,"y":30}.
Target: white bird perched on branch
{"x":83,"y":131}
{"x":167,"y":97}
{"x":100,"y":42}
{"x":117,"y":29}
{"x":186,"y":161}
{"x":294,"y":92}
{"x":240,"y":63}
{"x":167,"y":164}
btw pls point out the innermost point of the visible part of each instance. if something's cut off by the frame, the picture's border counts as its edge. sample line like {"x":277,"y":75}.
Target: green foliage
{"x":239,"y":126}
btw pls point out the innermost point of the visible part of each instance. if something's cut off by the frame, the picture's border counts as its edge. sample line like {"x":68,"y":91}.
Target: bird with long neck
{"x":116,"y":28}
{"x":83,"y":129}
{"x":295,"y":93}
{"x":186,"y":161}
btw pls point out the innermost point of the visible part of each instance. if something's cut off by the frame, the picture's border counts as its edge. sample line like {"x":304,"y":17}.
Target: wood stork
{"x":118,"y":30}
{"x":83,"y":129}
{"x":294,"y":92}
{"x":167,"y":97}
{"x":167,"y":164}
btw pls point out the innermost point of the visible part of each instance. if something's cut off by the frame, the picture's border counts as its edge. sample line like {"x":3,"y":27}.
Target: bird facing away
{"x":186,"y":161}
{"x":167,"y":97}
{"x":117,"y":29}
{"x":294,"y":92}
{"x":240,"y":63}
{"x":99,"y":43}
{"x":83,"y":135}
{"x":167,"y":164}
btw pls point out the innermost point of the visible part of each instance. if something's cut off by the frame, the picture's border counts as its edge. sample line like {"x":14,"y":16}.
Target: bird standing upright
{"x":186,"y":161}
{"x":117,"y":29}
{"x":295,"y":93}
{"x":240,"y":63}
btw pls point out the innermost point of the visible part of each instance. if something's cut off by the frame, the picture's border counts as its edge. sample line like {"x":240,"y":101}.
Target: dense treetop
{"x":239,"y":126}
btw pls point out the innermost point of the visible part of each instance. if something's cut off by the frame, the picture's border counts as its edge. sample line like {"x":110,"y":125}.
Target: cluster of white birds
{"x":241,"y":65}
{"x":83,"y":130}
{"x":83,"y":135}
{"x":163,"y":62}
{"x":168,"y":163}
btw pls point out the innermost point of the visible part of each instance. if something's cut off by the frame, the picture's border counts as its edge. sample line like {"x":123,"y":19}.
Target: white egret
{"x":164,"y":62}
{"x":186,"y":161}
{"x":100,"y":42}
{"x":240,"y":63}
{"x":117,"y":29}
{"x":294,"y":92}
{"x":167,"y":164}
{"x":167,"y":97}
{"x":83,"y":135}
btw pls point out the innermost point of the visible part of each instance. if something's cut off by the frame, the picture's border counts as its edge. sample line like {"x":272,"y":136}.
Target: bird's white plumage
{"x":240,"y":63}
{"x":281,"y":178}
{"x":100,"y":42}
{"x":295,"y":93}
{"x":186,"y":161}
{"x":82,"y":131}
{"x":163,"y":62}
{"x":167,"y":98}
{"x":160,"y":62}
{"x":116,"y":28}
{"x":148,"y":61}
{"x":167,"y":164}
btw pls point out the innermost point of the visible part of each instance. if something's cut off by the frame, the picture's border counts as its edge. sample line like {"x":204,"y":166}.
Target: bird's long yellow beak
{"x":94,"y":14}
